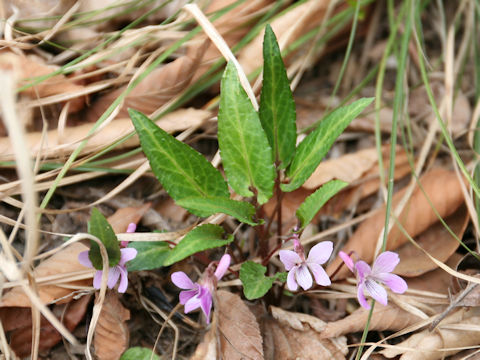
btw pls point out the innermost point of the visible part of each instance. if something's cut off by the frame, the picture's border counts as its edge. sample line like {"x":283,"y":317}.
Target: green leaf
{"x":99,"y":227}
{"x":240,"y":210}
{"x":150,"y":255}
{"x":181,"y":170}
{"x":277,"y":107}
{"x":139,"y":353}
{"x":316,"y":145}
{"x":201,"y":238}
{"x":246,"y":154}
{"x":255,"y":283}
{"x":315,"y":201}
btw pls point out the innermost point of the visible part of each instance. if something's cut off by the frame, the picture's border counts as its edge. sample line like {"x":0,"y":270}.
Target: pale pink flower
{"x":370,"y":278}
{"x":130,"y":229}
{"x":116,"y":272}
{"x":199,"y":294}
{"x":299,"y":269}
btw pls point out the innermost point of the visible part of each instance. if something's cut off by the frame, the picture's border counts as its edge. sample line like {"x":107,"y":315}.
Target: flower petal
{"x":206,"y":304}
{"x":304,"y":278}
{"x":113,"y":275}
{"x":347,"y":260}
{"x":385,"y":262}
{"x":192,"y":304}
{"x":84,"y":260}
{"x":181,"y":280}
{"x":127,"y":254}
{"x":361,"y":296}
{"x":222,"y":266}
{"x":187,"y":295}
{"x":376,"y":291}
{"x":291,"y":282}
{"x":320,"y":253}
{"x":321,"y":277}
{"x":394,"y":282}
{"x":289,"y":258}
{"x":131,"y":228}
{"x":122,"y":287}
{"x":362,"y":269}
{"x":97,"y":279}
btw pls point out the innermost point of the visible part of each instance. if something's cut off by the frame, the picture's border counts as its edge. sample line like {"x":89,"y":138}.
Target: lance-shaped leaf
{"x":315,"y":201}
{"x":277,"y":108}
{"x":181,"y":170}
{"x":246,"y":154}
{"x":99,"y":227}
{"x":316,"y":145}
{"x":201,"y":238}
{"x":240,"y":210}
{"x":150,"y":255}
{"x":255,"y":283}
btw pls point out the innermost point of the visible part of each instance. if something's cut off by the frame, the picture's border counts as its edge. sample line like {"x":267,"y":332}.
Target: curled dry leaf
{"x":27,"y":68}
{"x":437,"y":241}
{"x":124,"y":216}
{"x":297,"y":336}
{"x":238,"y":329}
{"x":207,"y":349}
{"x":436,"y":281}
{"x":288,"y":27}
{"x":63,"y":262}
{"x":427,"y":345}
{"x":160,"y":86}
{"x":416,"y":217}
{"x":111,"y":334}
{"x":67,"y":142}
{"x":17,"y":322}
{"x":389,"y":317}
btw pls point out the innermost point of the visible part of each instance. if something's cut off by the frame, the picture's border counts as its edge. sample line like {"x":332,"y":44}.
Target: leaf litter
{"x":59,"y":112}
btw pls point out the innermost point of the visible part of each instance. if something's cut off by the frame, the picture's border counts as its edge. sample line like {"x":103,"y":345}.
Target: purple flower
{"x":298,"y":268}
{"x":130,"y":229}
{"x":119,"y":271}
{"x":370,"y":278}
{"x":199,"y":294}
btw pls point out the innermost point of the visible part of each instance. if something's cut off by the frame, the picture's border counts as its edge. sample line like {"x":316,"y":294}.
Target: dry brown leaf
{"x":389,"y":317}
{"x":292,"y":25}
{"x":437,"y":241}
{"x":27,"y":68}
{"x":112,"y":333}
{"x":238,"y":328}
{"x":124,"y":216}
{"x":349,"y":168}
{"x":416,"y":217}
{"x":427,"y":345}
{"x":156,"y":89}
{"x":207,"y":349}
{"x":437,"y":281}
{"x":18,"y":323}
{"x":297,"y":336}
{"x":67,"y":142}
{"x":63,"y":262}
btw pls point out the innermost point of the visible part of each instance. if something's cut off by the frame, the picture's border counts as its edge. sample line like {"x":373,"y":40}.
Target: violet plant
{"x":260,"y":160}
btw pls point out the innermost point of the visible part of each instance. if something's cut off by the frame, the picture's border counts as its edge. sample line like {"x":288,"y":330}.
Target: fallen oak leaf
{"x":437,"y":241}
{"x":415,"y":218}
{"x":18,"y":324}
{"x":111,"y":333}
{"x":389,"y":317}
{"x":62,"y":262}
{"x":427,"y":345}
{"x":238,"y":328}
{"x":289,"y":335}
